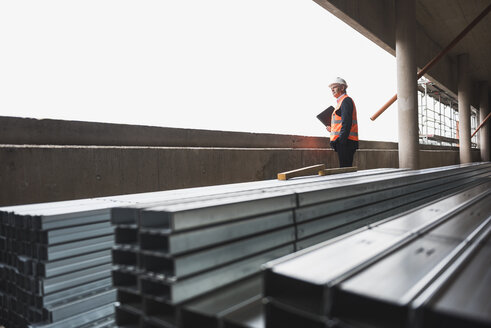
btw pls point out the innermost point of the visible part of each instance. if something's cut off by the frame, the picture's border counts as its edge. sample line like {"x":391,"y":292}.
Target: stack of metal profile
{"x":328,"y":210}
{"x":56,"y":265}
{"x":428,"y":267}
{"x":179,"y":252}
{"x":189,"y":247}
{"x":176,"y":255}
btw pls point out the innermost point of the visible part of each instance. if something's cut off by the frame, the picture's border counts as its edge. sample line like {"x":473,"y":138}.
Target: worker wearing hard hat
{"x":344,"y":125}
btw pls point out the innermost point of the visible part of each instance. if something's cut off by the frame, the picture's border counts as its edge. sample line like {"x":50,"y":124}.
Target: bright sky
{"x":253,"y":66}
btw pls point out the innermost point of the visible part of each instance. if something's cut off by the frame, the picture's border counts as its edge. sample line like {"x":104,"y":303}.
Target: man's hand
{"x":328,"y":128}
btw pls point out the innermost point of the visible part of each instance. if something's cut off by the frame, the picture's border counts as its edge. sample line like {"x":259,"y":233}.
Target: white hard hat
{"x":338,"y":80}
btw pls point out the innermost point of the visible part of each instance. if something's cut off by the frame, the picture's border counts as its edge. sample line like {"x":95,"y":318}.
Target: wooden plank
{"x":309,"y":170}
{"x":338,"y":170}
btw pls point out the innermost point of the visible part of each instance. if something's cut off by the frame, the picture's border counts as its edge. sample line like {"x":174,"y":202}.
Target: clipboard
{"x":325,"y":116}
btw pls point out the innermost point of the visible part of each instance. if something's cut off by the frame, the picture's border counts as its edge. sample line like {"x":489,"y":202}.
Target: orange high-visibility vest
{"x":336,"y":122}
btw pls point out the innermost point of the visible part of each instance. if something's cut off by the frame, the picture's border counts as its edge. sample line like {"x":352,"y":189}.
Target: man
{"x":344,"y":126}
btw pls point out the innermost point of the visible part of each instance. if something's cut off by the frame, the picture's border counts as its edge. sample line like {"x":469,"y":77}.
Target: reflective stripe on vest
{"x":336,"y":122}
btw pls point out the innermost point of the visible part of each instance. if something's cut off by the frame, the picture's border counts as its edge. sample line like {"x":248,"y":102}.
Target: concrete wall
{"x":31,"y":174}
{"x":67,"y":166}
{"x":15,"y":130}
{"x":28,"y":131}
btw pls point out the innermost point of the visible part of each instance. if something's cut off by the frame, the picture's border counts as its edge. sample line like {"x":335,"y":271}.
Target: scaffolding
{"x":438,"y":118}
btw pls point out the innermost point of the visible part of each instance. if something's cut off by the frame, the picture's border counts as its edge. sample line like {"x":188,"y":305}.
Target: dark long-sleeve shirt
{"x":346,"y":113}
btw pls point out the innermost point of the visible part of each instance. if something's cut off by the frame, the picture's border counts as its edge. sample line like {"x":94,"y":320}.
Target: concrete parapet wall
{"x":15,"y":130}
{"x":51,"y":160}
{"x":30,"y":174}
{"x":20,"y":131}
{"x":28,"y":131}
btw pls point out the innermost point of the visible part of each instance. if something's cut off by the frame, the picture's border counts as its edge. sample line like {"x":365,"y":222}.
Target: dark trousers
{"x":345,"y":155}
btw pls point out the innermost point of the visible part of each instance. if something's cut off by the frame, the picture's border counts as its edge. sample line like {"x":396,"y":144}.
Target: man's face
{"x":337,"y":90}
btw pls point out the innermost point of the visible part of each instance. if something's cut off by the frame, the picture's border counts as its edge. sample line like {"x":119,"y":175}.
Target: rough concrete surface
{"x":16,"y":130}
{"x":30,"y":174}
{"x":51,"y":160}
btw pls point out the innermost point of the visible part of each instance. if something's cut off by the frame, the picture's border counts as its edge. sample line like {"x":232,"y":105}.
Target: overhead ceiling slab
{"x":439,"y":22}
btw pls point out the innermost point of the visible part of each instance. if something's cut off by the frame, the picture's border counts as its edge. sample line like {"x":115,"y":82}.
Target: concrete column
{"x":484,"y":131}
{"x":464,"y":90}
{"x":407,"y":92}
